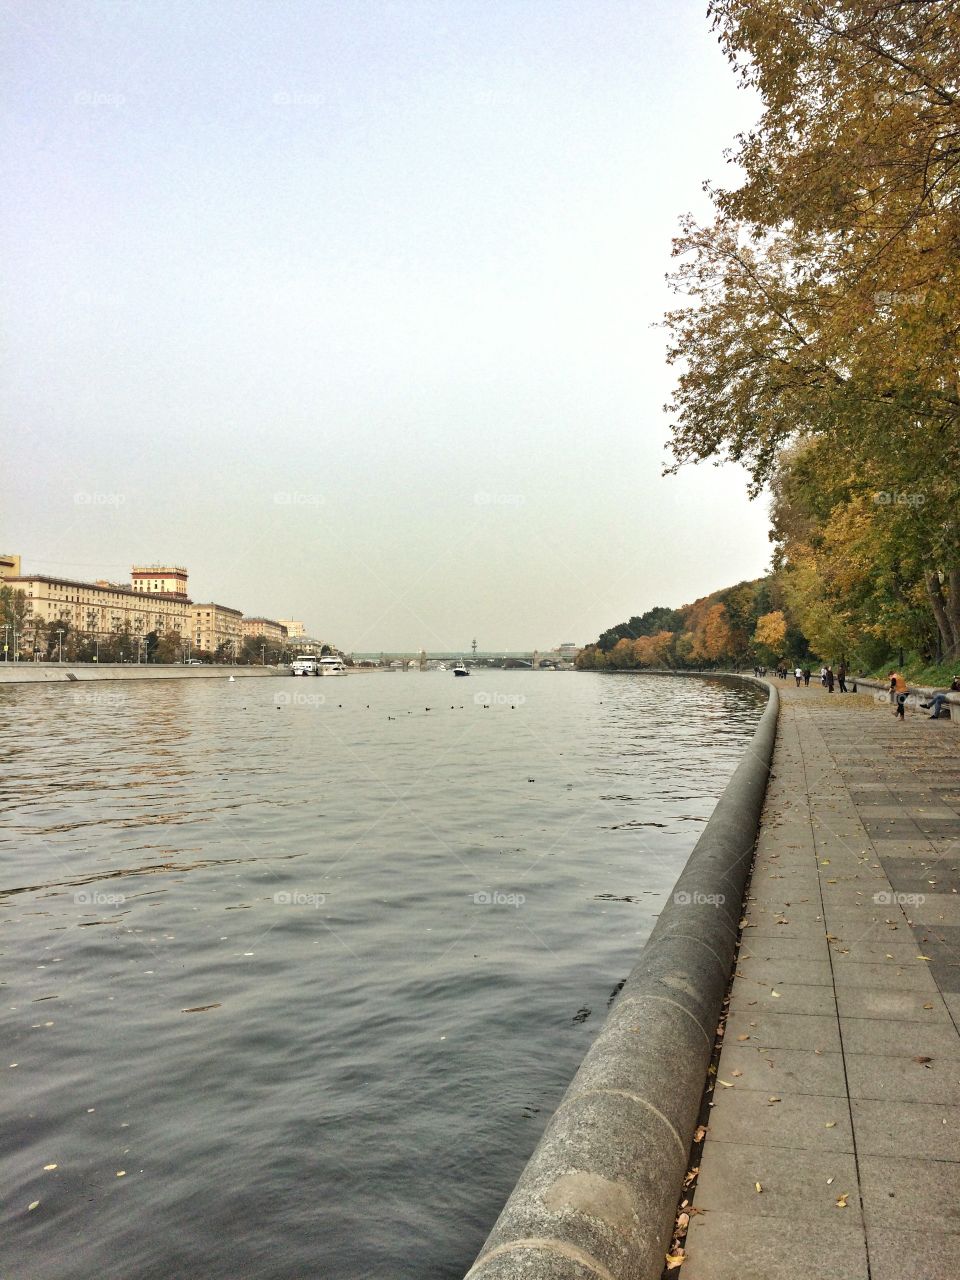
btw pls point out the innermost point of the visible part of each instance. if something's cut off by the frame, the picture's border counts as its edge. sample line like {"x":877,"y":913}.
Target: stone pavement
{"x":833,"y":1145}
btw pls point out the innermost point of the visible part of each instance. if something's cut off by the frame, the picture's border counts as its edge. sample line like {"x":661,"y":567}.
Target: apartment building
{"x":102,"y":608}
{"x":216,"y":625}
{"x":269,"y":628}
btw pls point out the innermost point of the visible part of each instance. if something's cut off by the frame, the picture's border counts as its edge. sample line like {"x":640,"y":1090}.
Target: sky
{"x":351,"y":308}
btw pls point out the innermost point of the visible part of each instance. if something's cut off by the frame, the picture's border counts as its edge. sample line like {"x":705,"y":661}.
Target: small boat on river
{"x":460,"y":670}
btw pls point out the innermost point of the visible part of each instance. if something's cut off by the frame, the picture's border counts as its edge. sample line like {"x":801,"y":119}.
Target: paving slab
{"x":839,"y":1076}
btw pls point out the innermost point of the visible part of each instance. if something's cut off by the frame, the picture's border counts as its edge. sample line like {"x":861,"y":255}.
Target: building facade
{"x":100,"y":609}
{"x":295,"y":629}
{"x":266,"y":627}
{"x":159,"y":579}
{"x":9,"y":566}
{"x":216,"y":627}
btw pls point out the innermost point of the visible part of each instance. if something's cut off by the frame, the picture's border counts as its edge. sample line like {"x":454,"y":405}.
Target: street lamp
{"x":263,"y":655}
{"x":6,"y":629}
{"x":60,"y":643}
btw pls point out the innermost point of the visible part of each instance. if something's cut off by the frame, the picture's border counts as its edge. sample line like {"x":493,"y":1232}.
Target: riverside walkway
{"x":833,"y":1142}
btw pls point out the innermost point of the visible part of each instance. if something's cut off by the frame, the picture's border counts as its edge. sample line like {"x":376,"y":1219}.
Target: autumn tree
{"x":822,"y":303}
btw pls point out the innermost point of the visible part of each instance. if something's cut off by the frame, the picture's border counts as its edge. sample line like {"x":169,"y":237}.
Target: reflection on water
{"x":293,"y":983}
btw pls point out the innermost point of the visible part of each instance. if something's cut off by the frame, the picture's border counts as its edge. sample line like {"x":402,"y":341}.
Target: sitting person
{"x":940,"y":697}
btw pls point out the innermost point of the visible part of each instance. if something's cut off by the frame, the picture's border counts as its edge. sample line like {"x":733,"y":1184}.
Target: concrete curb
{"x":598,"y":1197}
{"x":20,"y":673}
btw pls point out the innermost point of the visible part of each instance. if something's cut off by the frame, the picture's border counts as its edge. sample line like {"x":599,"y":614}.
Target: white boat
{"x":441,"y":666}
{"x":332,"y":665}
{"x":460,"y":670}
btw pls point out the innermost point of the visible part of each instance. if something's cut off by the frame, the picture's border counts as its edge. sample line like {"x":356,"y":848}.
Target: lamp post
{"x":60,"y":644}
{"x":263,"y":655}
{"x":6,"y":630}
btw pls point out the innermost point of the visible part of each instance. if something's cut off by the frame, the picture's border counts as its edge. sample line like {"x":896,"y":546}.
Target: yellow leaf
{"x":842,"y":1200}
{"x":676,"y":1259}
{"x":758,"y":1186}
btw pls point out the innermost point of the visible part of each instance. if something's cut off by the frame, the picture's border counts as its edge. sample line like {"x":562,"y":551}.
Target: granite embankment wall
{"x":68,"y":672}
{"x":598,"y":1196}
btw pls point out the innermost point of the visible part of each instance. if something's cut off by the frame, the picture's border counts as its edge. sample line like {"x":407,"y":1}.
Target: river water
{"x":296,"y":970}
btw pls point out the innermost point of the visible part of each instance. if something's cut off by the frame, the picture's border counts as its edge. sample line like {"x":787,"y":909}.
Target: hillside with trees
{"x":740,"y":626}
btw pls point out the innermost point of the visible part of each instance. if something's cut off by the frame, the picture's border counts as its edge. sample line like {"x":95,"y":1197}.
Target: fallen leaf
{"x":831,"y":1124}
{"x":759,"y":1188}
{"x":33,"y":1205}
{"x":928,"y":1006}
{"x":829,"y":1182}
{"x":775,"y":994}
{"x":49,"y":1166}
{"x":726,"y":1083}
{"x":922,"y":1059}
{"x":842,"y":1200}
{"x":201,"y":1008}
{"x":743,"y":1037}
{"x":701,"y":1133}
{"x":676,"y":1259}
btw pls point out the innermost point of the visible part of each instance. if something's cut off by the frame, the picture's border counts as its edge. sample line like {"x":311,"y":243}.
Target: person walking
{"x":828,"y":679}
{"x":842,"y":677}
{"x":898,"y":694}
{"x":798,"y":676}
{"x":806,"y":677}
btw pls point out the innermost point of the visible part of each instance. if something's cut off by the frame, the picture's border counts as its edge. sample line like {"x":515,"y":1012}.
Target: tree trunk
{"x":953,"y":608}
{"x":939,"y":605}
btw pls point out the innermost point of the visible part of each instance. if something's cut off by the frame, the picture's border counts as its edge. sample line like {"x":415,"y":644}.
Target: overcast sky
{"x":347,"y":306}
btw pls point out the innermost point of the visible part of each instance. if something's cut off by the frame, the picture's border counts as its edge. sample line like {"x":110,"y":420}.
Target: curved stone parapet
{"x":598,"y":1197}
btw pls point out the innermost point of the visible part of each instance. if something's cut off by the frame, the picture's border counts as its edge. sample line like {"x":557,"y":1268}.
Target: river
{"x":296,"y":970}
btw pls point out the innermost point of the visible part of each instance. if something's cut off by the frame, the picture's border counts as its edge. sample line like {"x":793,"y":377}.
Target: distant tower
{"x":474,"y":647}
